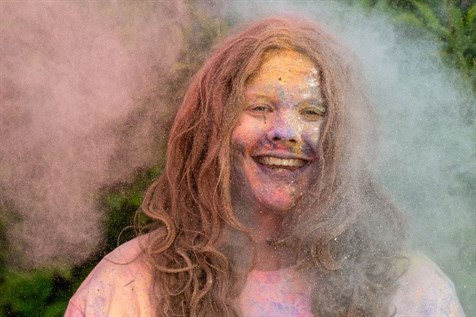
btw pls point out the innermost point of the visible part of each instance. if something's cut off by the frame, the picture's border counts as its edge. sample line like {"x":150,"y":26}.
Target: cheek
{"x":246,"y":134}
{"x":239,"y":144}
{"x":312,"y":136}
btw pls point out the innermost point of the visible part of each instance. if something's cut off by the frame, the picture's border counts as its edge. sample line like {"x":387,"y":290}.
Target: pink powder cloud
{"x":73,"y":74}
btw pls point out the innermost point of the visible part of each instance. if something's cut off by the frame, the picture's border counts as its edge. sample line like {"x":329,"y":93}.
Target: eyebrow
{"x":310,"y":101}
{"x":259,"y":96}
{"x":313,"y":101}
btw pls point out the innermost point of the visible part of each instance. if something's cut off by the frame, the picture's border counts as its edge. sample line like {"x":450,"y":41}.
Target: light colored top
{"x":122,"y":285}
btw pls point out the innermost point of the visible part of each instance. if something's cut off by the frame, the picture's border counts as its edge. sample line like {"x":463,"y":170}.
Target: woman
{"x":267,"y":205}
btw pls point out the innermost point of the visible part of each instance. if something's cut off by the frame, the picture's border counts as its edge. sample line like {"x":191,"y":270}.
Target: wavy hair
{"x":350,"y":236}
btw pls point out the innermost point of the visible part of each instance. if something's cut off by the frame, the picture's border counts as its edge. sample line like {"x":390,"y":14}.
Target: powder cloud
{"x":74,"y":78}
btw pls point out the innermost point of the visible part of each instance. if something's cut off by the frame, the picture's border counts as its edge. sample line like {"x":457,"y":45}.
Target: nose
{"x":285,"y":130}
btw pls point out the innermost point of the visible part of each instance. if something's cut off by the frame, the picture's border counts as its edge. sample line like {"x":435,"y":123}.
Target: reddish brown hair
{"x":348,"y":233}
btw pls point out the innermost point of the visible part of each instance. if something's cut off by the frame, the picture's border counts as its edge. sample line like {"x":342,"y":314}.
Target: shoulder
{"x":120,"y":285}
{"x":424,"y":290}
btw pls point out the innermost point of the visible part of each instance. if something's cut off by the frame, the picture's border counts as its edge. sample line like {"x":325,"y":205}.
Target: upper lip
{"x":282,"y":155}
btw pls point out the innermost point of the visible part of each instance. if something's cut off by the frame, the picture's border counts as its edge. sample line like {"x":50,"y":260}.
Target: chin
{"x":277,"y":202}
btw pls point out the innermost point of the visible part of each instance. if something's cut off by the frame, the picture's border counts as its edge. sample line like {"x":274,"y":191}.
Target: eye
{"x":260,"y":108}
{"x":313,"y":112}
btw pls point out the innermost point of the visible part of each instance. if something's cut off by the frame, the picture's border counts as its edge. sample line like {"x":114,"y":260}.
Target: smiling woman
{"x":275,"y":142}
{"x":267,"y":205}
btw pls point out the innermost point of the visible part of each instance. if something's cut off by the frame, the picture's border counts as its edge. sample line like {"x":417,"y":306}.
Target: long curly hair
{"x":350,"y":236}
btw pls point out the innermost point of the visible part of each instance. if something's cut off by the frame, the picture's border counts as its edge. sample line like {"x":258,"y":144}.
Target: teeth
{"x":268,"y":160}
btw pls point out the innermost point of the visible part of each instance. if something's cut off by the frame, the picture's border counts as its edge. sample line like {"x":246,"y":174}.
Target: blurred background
{"x":88,"y":91}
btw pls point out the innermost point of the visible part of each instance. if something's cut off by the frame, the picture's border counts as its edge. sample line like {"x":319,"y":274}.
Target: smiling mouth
{"x":272,"y":162}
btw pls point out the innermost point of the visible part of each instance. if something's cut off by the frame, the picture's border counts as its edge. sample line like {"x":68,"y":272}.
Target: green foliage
{"x":121,"y":202}
{"x":45,"y":292}
{"x":456,"y":29}
{"x":452,"y":23}
{"x":35,"y":293}
{"x":200,"y":35}
{"x":3,"y":241}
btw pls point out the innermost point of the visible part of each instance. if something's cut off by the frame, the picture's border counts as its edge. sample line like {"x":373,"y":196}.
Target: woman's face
{"x":275,"y":141}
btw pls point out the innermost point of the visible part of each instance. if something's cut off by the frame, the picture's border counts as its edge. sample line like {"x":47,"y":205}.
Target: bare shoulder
{"x":129,"y":252}
{"x":121,"y":283}
{"x":129,"y":259}
{"x":424,"y":290}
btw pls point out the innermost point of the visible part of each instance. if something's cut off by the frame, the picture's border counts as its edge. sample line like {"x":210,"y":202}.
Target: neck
{"x":265,"y":226}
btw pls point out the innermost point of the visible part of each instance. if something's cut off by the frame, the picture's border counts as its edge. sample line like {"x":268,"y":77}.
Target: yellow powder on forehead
{"x":278,"y":58}
{"x":284,"y":65}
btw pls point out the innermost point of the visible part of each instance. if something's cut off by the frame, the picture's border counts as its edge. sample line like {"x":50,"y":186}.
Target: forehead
{"x":284,"y":66}
{"x":286,"y":75}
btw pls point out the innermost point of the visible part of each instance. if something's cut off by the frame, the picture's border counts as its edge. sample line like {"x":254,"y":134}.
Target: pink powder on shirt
{"x":280,"y":293}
